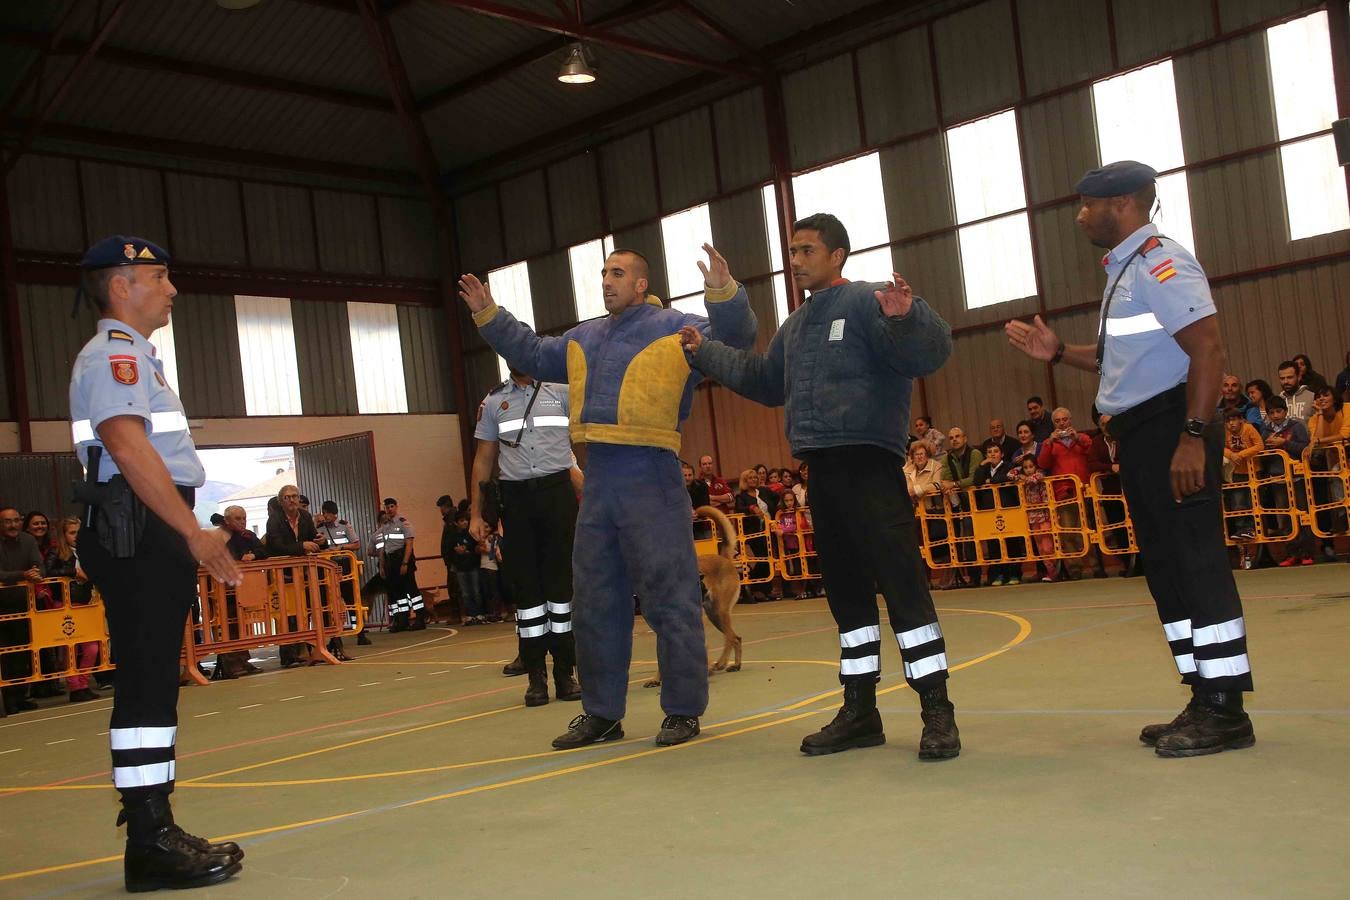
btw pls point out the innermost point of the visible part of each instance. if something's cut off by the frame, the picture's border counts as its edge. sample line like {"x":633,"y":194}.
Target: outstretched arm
{"x":730,"y":318}
{"x":908,"y":334}
{"x":756,"y":376}
{"x":543,"y":357}
{"x":1038,"y":341}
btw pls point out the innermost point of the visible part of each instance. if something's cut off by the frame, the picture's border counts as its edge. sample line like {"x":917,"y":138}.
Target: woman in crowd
{"x":1309,"y":377}
{"x":799,"y":486}
{"x":1038,"y":513}
{"x":758,"y":505}
{"x":763,"y":472}
{"x":1326,"y":426}
{"x":923,"y":478}
{"x":1258,"y":392}
{"x":1027,"y":443}
{"x":36,"y":524}
{"x":61,"y":561}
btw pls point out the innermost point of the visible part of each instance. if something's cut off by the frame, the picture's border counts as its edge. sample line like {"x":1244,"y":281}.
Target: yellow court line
{"x":1024,"y":630}
{"x":449,"y":634}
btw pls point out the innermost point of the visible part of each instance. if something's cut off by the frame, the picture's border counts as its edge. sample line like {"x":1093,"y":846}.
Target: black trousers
{"x":866,"y":541}
{"x":539,"y":517}
{"x":1188,"y":571}
{"x":147,"y":598}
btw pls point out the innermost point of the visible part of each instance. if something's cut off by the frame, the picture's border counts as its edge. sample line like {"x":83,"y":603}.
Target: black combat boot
{"x":537,"y":693}
{"x":1151,"y":733}
{"x":565,"y":685}
{"x":1219,"y":723}
{"x":587,"y":729}
{"x":940,"y":738}
{"x":514,"y":667}
{"x":857,"y":724}
{"x":160,"y":855}
{"x":362,"y":640}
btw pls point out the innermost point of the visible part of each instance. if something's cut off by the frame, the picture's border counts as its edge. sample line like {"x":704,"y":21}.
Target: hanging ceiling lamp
{"x":576,"y":68}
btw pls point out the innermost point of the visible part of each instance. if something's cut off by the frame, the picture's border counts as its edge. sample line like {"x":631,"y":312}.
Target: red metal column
{"x":18,"y":378}
{"x":775,"y":120}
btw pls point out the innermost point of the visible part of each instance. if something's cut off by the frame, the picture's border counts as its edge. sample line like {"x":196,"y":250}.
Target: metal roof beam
{"x":715,"y":28}
{"x":135,"y":59}
{"x":639,"y":9}
{"x":591,"y":34}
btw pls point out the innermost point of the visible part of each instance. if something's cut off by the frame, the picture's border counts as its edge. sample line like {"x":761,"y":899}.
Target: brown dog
{"x":722,"y":588}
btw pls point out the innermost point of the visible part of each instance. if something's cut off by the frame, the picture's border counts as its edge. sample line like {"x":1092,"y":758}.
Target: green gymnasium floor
{"x":416,"y":771}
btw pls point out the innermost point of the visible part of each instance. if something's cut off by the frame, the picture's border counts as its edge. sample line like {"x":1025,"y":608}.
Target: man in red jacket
{"x":1066,"y":452}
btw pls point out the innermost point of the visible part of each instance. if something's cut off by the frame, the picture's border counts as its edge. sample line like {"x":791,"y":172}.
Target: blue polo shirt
{"x":529,"y":448}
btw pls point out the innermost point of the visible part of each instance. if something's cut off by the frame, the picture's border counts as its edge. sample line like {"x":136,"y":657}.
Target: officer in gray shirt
{"x":523,"y":428}
{"x":1160,"y":357}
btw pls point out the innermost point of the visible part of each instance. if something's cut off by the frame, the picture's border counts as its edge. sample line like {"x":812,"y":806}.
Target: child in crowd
{"x":786,"y":525}
{"x":489,"y":579}
{"x":1038,"y":513}
{"x":467,"y":562}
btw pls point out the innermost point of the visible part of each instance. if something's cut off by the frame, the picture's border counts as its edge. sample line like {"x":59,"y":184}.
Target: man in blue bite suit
{"x":631,"y":389}
{"x":842,"y":366}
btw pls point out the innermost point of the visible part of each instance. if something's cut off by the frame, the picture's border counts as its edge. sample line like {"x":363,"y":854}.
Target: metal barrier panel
{"x":1264,"y":508}
{"x":757,"y":555}
{"x":796,"y":549}
{"x":1005,"y":523}
{"x":1114,"y":531}
{"x":1326,"y":478}
{"x":51,"y":616}
{"x":349,"y":588}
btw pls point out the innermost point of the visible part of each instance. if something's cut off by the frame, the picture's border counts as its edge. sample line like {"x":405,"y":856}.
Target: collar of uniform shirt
{"x":137,"y":339}
{"x":1126,"y":247}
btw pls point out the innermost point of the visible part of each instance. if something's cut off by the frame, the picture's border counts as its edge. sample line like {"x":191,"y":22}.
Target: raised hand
{"x":897,"y":298}
{"x":716,"y":274}
{"x":691,"y":337}
{"x":1035,"y":340}
{"x":476,"y":294}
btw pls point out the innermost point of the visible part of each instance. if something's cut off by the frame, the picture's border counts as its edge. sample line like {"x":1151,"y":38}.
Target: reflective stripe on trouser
{"x":146,"y":599}
{"x":865,"y":541}
{"x":633,"y":537}
{"x":540,"y":514}
{"x":1186,"y":562}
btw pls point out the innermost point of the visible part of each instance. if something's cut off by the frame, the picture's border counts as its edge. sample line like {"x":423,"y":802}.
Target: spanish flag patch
{"x":1163,"y":271}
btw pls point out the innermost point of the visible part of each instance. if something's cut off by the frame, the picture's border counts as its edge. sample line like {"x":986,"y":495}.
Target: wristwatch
{"x":1195,"y":427}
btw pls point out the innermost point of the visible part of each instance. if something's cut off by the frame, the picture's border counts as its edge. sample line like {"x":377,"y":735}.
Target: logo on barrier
{"x":68,"y":626}
{"x":1000,"y":524}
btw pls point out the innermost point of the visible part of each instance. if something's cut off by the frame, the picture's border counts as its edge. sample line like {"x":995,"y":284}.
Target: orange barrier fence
{"x":53,"y":628}
{"x":285,"y":600}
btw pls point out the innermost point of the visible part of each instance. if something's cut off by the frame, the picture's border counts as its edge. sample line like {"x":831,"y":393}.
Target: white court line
{"x":204,"y":715}
{"x":251,"y":706}
{"x":441,"y":672}
{"x":330,"y":691}
{"x":287,"y":699}
{"x":369,"y":684}
{"x":15,"y":750}
{"x":83,"y":712}
{"x":103,"y":734}
{"x":62,"y":741}
{"x":467,"y":668}
{"x":405,"y":677}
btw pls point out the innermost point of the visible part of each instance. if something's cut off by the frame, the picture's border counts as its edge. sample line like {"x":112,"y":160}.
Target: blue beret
{"x":1116,"y":179}
{"x":122,"y":250}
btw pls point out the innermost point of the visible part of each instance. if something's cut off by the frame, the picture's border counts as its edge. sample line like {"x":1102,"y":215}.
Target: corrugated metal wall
{"x":483,"y":375}
{"x":742,"y":151}
{"x":210,"y":373}
{"x":575,"y":191}
{"x":479,"y":223}
{"x":207,"y":218}
{"x":324,"y":355}
{"x":897,"y":86}
{"x":1240,"y":13}
{"x":41,"y":482}
{"x":551,"y":291}
{"x":349,"y":232}
{"x":646,"y":239}
{"x":525,"y":213}
{"x":1063,"y":41}
{"x":427,"y":361}
{"x":822,"y":112}
{"x":122,"y":200}
{"x":341,"y":470}
{"x":5,"y":411}
{"x":280,"y":222}
{"x":44,"y":199}
{"x":1152,"y":27}
{"x":410,"y":238}
{"x":976,"y":60}
{"x":630,"y":185}
{"x":51,"y":341}
{"x":684,"y":156}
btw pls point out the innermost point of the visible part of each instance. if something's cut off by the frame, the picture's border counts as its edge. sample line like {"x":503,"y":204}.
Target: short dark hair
{"x":1026,"y":422}
{"x":832,"y":232}
{"x":646,"y":264}
{"x":94,"y":283}
{"x":1287,"y":364}
{"x":1276,"y":402}
{"x":1325,"y":390}
{"x":1261,"y":385}
{"x":927,"y":420}
{"x":444,"y":500}
{"x":1037,"y":400}
{"x":217,"y":519}
{"x":304,"y":500}
{"x":330,"y":506}
{"x":1233,"y":413}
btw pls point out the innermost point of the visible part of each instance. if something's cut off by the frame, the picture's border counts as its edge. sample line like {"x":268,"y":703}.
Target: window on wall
{"x":1305,"y":102}
{"x":769,"y":198}
{"x":162,"y":339}
{"x":1137,"y":119}
{"x":587,"y":283}
{"x":267,"y":356}
{"x":510,"y":287}
{"x":377,"y":357}
{"x":683,"y":235}
{"x":986,"y":176}
{"x":852,"y":192}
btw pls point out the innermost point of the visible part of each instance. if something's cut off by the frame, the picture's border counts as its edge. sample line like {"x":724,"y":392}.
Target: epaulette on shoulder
{"x":1151,"y":244}
{"x":499,"y":386}
{"x":115,"y":334}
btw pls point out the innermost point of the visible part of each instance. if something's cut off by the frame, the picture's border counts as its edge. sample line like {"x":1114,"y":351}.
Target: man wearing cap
{"x":338,"y":535}
{"x":523,"y":428}
{"x":406,"y":609}
{"x":634,"y":388}
{"x":141,"y":548}
{"x":1161,"y":361}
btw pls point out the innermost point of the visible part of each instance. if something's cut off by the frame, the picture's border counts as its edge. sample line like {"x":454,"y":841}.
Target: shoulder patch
{"x":124,"y":369}
{"x":480,"y":413}
{"x":1151,"y":244}
{"x":117,"y":335}
{"x":160,"y":379}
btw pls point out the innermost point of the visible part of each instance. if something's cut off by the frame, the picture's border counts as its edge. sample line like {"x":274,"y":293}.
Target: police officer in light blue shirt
{"x":141,"y":545}
{"x":1161,"y":361}
{"x":523,"y":429}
